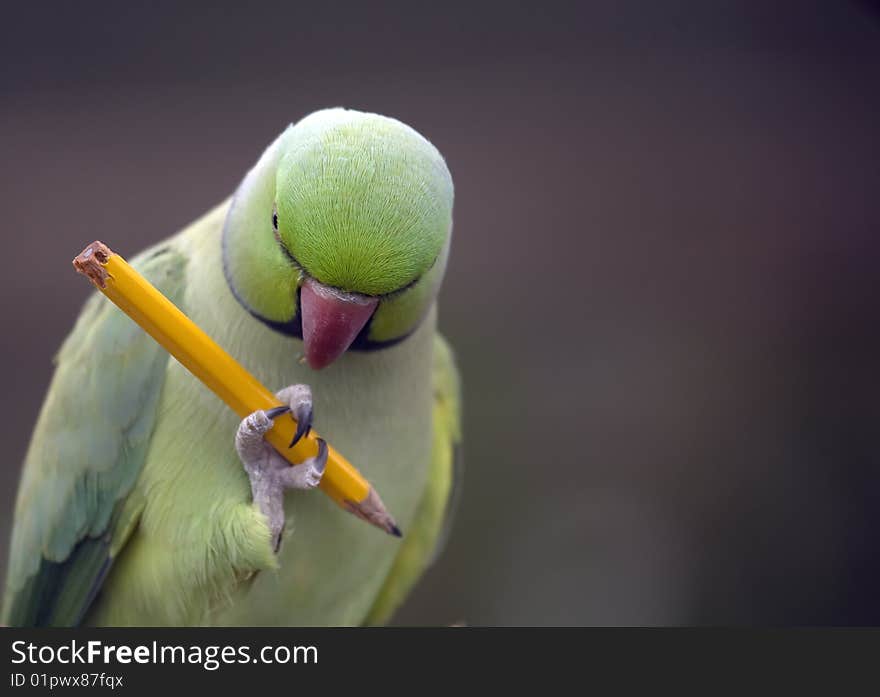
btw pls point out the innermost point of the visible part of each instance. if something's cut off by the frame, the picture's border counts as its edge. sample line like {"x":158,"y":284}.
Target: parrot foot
{"x":269,"y":473}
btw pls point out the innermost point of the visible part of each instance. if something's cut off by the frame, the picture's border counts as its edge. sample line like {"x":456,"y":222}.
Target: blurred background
{"x":663,"y":286}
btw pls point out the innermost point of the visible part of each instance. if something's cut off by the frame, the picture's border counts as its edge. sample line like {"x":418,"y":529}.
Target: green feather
{"x":362,"y":203}
{"x":366,"y":202}
{"x":87,"y":449}
{"x":427,"y":534}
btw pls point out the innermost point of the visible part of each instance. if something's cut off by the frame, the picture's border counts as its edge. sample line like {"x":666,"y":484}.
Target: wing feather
{"x":86,"y":452}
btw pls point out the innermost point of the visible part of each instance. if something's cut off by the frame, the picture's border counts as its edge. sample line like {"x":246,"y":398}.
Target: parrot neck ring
{"x":328,"y":320}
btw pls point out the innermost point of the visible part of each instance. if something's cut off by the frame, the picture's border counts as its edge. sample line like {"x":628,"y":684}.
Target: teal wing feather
{"x":427,"y":534}
{"x":86,"y":452}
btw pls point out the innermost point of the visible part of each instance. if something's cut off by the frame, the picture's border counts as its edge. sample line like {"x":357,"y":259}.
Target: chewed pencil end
{"x":90,"y":262}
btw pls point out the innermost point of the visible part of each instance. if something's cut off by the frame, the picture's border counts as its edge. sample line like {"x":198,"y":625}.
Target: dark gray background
{"x":662,"y":287}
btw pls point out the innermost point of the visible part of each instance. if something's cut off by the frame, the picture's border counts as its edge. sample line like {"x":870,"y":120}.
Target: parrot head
{"x":340,"y":234}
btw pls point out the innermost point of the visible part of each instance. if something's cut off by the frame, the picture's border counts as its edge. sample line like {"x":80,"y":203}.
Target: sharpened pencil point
{"x":373,"y":511}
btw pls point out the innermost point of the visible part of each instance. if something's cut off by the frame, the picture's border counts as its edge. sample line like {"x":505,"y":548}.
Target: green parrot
{"x":145,"y":501}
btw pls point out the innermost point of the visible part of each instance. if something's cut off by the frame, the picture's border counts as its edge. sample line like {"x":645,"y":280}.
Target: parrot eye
{"x":275,"y":218}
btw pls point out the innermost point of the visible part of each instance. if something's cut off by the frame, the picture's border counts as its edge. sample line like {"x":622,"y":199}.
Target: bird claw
{"x":303,"y":415}
{"x":321,"y":457}
{"x":275,"y":412}
{"x":299,"y":400}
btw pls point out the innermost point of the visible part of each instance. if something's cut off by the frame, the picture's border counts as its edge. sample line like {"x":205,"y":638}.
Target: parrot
{"x":144,"y":501}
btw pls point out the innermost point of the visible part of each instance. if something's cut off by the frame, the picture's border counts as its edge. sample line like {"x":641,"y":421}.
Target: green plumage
{"x":133,"y":506}
{"x":353,"y":242}
{"x":109,"y":373}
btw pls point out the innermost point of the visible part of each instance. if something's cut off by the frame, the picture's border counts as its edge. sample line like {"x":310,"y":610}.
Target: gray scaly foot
{"x":269,"y":473}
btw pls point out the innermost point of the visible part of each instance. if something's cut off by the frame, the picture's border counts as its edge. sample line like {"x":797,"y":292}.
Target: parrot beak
{"x":331,"y":319}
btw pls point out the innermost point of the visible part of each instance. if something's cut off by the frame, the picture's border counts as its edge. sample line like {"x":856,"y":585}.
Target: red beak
{"x":331,"y":319}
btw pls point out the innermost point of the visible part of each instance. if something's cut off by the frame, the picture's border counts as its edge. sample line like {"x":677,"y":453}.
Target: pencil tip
{"x":372,"y":510}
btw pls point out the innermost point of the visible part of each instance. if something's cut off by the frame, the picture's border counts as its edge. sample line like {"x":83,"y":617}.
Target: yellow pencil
{"x":221,"y":373}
